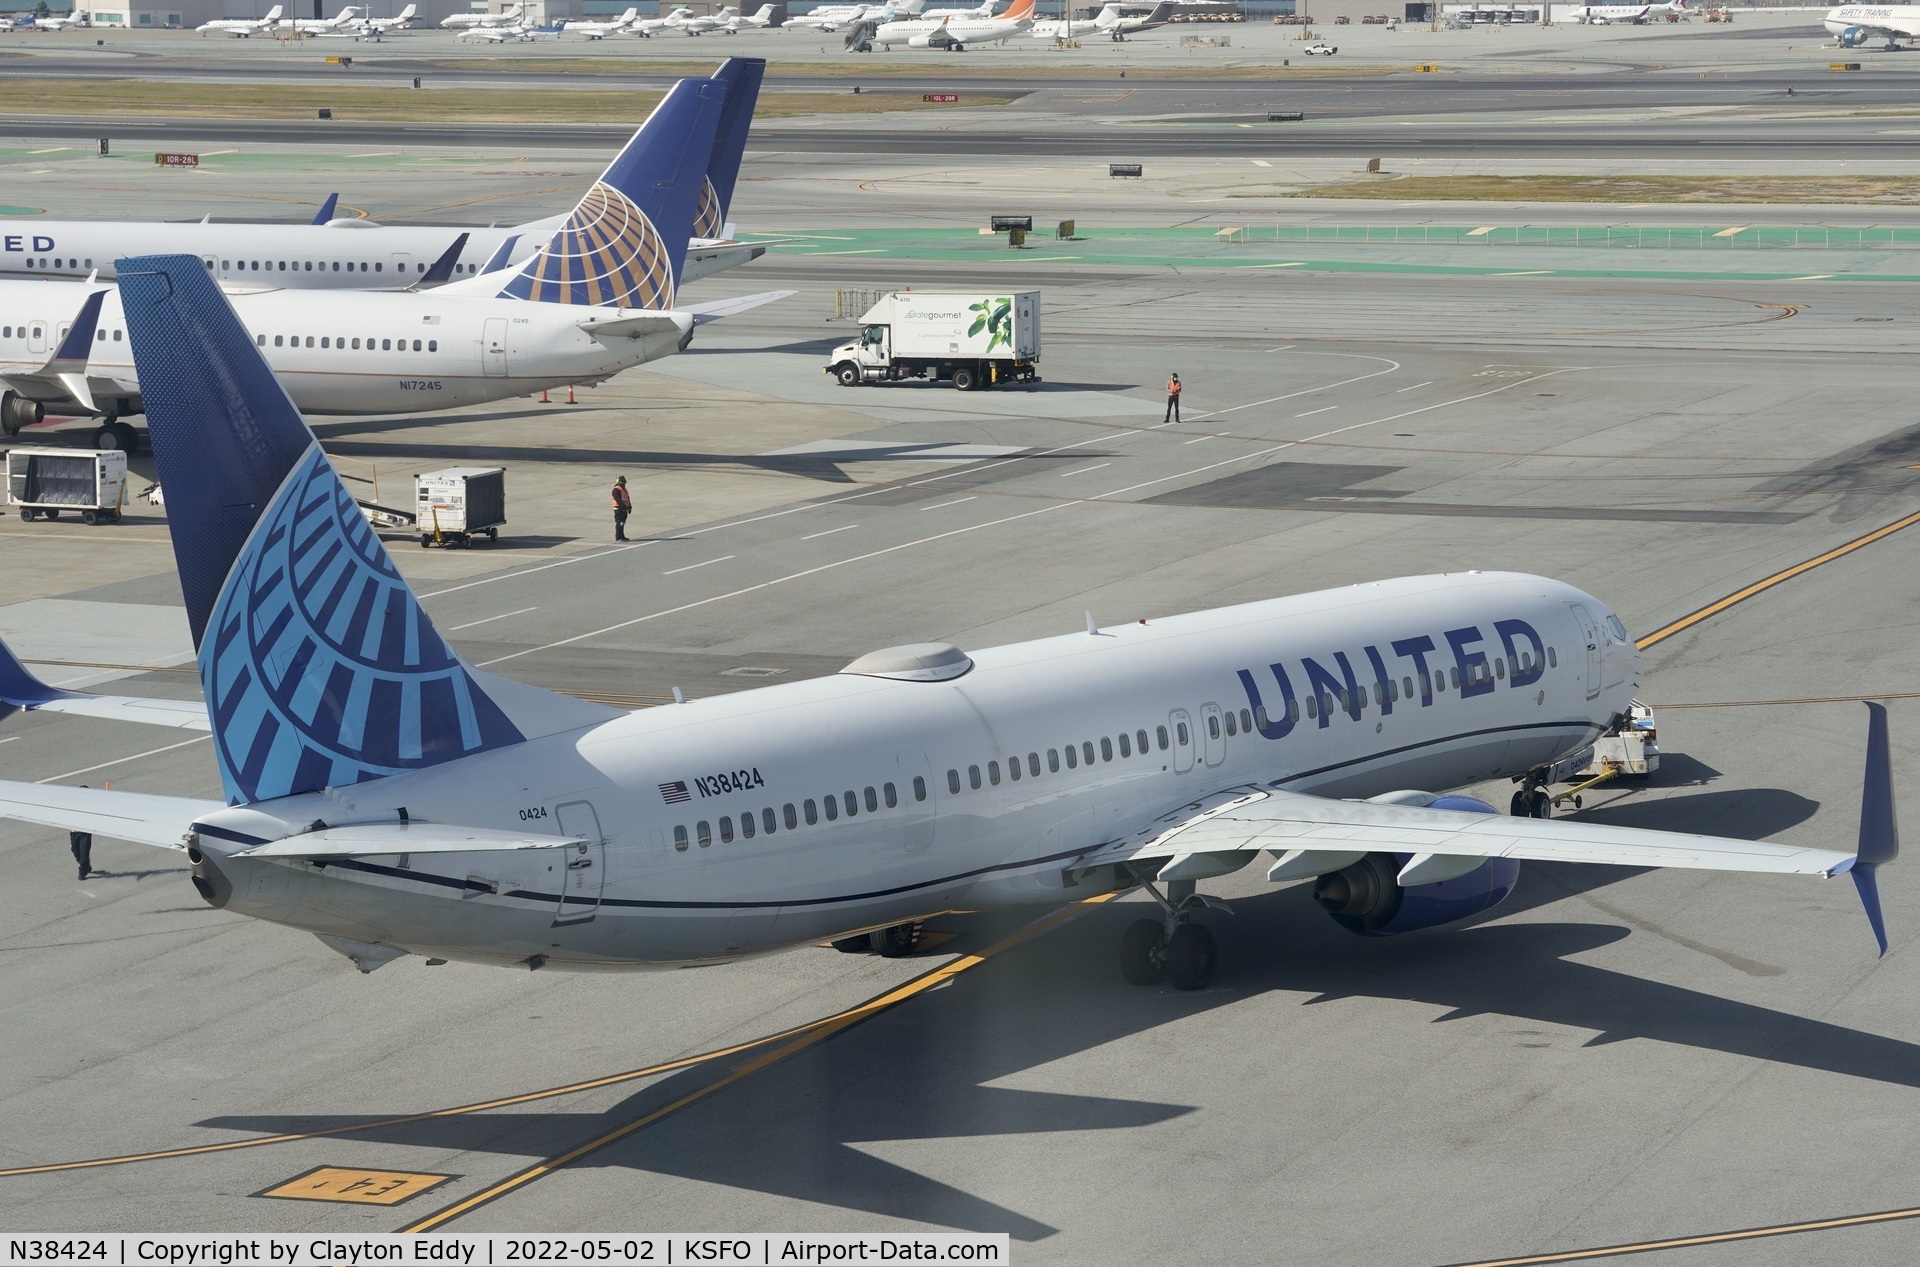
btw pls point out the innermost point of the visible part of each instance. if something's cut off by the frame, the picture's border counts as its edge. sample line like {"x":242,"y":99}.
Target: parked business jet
{"x":647,"y":28}
{"x":1109,"y":22}
{"x":1855,"y":24}
{"x":373,"y":28}
{"x":601,"y":30}
{"x":759,"y":19}
{"x":389,"y":797}
{"x":1616,"y":14}
{"x":243,"y":28}
{"x":353,"y":254}
{"x":340,"y":21}
{"x":509,"y":16}
{"x":688,"y":23}
{"x":834,"y":16}
{"x":598,"y":298}
{"x":66,"y":22}
{"x":954,"y":34}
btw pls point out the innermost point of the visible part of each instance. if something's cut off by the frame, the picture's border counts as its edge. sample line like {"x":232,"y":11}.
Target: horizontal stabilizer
{"x":19,"y":688}
{"x":369,"y":840}
{"x":140,"y":817}
{"x":718,"y":308}
{"x":634,"y":327}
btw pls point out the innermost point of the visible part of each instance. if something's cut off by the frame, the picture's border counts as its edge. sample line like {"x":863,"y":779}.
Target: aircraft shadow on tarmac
{"x":803,"y":1129}
{"x":824,"y":465}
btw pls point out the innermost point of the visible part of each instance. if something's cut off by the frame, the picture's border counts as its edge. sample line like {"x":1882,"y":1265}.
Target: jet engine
{"x":1855,"y":36}
{"x":1366,"y":897}
{"x":937,"y":38}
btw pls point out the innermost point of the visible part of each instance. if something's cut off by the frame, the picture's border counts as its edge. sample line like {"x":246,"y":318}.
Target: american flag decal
{"x":675,"y":792}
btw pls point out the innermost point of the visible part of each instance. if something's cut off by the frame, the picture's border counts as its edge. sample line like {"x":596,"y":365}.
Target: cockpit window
{"x":1619,"y":630}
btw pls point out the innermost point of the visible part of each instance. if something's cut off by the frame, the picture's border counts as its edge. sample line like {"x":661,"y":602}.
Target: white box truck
{"x":460,"y":503}
{"x":971,"y":341}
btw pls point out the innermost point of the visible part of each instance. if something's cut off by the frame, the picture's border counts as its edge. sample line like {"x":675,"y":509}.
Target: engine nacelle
{"x":935,"y":39}
{"x":1366,"y":897}
{"x":1854,"y":36}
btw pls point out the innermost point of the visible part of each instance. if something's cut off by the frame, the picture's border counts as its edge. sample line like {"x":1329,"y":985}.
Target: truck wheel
{"x":965,"y":378}
{"x":28,"y":514}
{"x":493,"y":535}
{"x":89,"y":518}
{"x":849,"y":375}
{"x":51,"y":513}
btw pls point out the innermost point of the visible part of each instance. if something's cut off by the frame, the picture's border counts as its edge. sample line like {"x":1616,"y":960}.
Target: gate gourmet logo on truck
{"x":995,"y":316}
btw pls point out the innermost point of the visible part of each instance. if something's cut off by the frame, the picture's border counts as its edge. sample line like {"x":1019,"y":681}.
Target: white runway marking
{"x":1398,"y":390}
{"x":691,"y":566}
{"x":151,"y":752}
{"x":490,"y":619}
{"x":955,"y":502}
{"x":829,"y":532}
{"x":1083,"y":470}
{"x":1311,"y":412}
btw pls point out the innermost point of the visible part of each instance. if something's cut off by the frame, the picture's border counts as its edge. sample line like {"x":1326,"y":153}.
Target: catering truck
{"x":970,"y":341}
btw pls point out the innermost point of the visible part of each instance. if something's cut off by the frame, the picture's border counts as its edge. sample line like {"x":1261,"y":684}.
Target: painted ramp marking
{"x":356,"y":1186}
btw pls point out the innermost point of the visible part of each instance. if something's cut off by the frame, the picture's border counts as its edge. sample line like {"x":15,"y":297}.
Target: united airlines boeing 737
{"x":392,"y":799}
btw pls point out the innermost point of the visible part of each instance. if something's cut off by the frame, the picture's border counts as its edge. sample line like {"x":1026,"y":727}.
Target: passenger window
{"x":1053,"y":761}
{"x":973,"y":777}
{"x":853,"y":804}
{"x":1140,"y":738}
{"x":278,"y":340}
{"x":336,"y":266}
{"x":953,"y":782}
{"x":386,"y":345}
{"x":832,"y":806}
{"x":1086,"y":751}
{"x":680,"y":838}
{"x":1499,"y":667}
{"x":1553,"y":660}
{"x":116,"y":336}
{"x":919,"y":788}
{"x":1313,"y":707}
{"x":1246,"y":721}
{"x":746,"y":825}
{"x":993,"y":773}
{"x":376,"y":267}
{"x":768,"y":822}
{"x":325,"y":342}
{"x":283,"y":266}
{"x":1456,"y":678}
{"x":1013,"y":768}
{"x":356,"y":345}
{"x":309,"y":267}
{"x":1106,"y":748}
{"x":309,"y":340}
{"x":1213,"y":727}
{"x":812,"y":813}
{"x":1260,"y":716}
{"x":433,"y":345}
{"x":1162,"y":735}
{"x":1181,"y":727}
{"x":704,"y":831}
{"x":1126,"y":748}
{"x":892,"y":798}
{"x":1232,"y":729}
{"x":726,"y":829}
{"x":786,"y":812}
{"x":1073,"y":758}
{"x":873,"y":801}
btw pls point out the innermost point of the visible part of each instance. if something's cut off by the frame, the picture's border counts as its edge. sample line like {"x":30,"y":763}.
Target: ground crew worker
{"x":1173,"y":400}
{"x":81,"y":842}
{"x":622,"y":507}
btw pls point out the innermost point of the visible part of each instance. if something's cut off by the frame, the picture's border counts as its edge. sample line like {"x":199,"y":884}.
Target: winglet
{"x":1879,"y":832}
{"x":442,"y":268}
{"x":77,"y":347}
{"x":19,"y":688}
{"x":326,"y":209}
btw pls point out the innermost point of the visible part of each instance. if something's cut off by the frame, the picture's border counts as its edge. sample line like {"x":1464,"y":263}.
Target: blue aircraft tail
{"x":623,"y":246}
{"x":319,"y":666}
{"x":742,"y":77}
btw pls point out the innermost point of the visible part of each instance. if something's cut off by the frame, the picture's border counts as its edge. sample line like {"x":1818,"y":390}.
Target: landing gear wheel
{"x":964,"y":379}
{"x":1542,"y":804}
{"x":1521,"y":806}
{"x":848,"y":375}
{"x":1143,"y":955}
{"x":1193,"y":957}
{"x":898,"y":941}
{"x":858,"y":944}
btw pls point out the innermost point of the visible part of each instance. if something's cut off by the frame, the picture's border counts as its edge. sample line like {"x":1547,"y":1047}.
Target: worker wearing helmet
{"x":1173,"y":400}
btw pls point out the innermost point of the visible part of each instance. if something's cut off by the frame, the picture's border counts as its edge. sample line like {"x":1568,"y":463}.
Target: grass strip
{"x":1679,"y":189}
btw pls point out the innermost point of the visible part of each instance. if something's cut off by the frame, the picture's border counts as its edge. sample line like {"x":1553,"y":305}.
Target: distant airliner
{"x":392,"y":799}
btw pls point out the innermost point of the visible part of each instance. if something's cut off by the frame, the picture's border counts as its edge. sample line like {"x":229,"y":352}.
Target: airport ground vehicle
{"x":455,"y":505}
{"x":91,"y":484}
{"x":969,"y":340}
{"x":1319,"y":50}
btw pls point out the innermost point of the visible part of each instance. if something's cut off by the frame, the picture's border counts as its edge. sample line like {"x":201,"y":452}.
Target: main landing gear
{"x":1172,"y":948}
{"x":1532,"y":800}
{"x":896,"y":941}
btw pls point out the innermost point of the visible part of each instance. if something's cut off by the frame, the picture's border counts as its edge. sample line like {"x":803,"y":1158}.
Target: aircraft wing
{"x":20,"y":689}
{"x":140,"y":817}
{"x":1314,"y":835}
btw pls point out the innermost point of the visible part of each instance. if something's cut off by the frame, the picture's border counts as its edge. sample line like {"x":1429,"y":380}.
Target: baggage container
{"x":52,"y":482}
{"x":460,"y":503}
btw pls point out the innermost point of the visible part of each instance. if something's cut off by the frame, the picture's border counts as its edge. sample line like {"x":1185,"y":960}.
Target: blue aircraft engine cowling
{"x":1854,"y":36}
{"x":1367,"y":899}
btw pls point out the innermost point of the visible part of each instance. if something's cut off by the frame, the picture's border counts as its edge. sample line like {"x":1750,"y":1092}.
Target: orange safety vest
{"x":1173,"y":387}
{"x":621,"y":499}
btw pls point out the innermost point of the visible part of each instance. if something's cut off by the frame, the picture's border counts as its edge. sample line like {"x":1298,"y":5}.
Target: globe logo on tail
{"x":607,"y":254}
{"x":710,"y":221}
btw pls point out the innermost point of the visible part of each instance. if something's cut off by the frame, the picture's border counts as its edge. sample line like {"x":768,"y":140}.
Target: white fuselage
{"x":921,"y":33}
{"x":339,"y":255}
{"x":351,"y":353}
{"x":1873,"y":21}
{"x":1108,"y":731}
